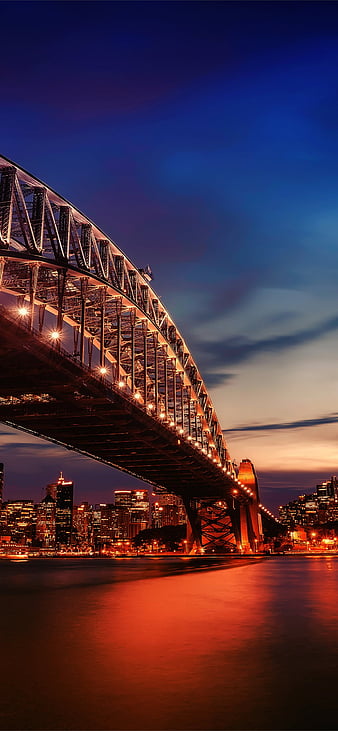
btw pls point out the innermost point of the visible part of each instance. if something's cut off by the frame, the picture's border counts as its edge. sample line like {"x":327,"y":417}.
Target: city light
{"x":23,"y":311}
{"x":121,"y":384}
{"x":103,"y":370}
{"x":55,"y":335}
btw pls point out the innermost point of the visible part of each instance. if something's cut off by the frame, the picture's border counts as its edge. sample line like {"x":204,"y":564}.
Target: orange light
{"x":150,"y":407}
{"x":137,"y":395}
{"x":162,"y":415}
{"x":103,"y":370}
{"x":121,"y":384}
{"x":55,"y":335}
{"x":22,"y":311}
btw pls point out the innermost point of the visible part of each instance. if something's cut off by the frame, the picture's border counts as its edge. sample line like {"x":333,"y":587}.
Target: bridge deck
{"x":53,"y":396}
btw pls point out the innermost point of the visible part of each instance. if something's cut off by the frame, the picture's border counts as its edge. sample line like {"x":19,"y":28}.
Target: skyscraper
{"x":132,"y":512}
{"x":62,"y":492}
{"x":45,"y":522}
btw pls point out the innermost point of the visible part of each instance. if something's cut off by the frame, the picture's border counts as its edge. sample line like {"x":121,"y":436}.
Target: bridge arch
{"x":76,"y":296}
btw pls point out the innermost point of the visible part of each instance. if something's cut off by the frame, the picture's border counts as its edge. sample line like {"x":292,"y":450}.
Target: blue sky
{"x":203,"y":138}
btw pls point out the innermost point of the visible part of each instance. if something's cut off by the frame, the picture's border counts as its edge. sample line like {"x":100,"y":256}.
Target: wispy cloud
{"x":329,"y":419}
{"x":239,"y":349}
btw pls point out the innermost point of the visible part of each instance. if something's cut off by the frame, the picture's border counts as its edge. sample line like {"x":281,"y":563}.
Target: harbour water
{"x":169,"y":644}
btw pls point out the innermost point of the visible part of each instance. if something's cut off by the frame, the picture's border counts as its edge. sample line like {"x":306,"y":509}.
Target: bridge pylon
{"x":250,"y":521}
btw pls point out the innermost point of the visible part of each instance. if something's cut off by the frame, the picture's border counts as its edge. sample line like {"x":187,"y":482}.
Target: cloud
{"x":330,"y":419}
{"x":239,"y":349}
{"x":217,"y":379}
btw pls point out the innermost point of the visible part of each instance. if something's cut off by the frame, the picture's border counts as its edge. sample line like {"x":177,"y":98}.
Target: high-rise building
{"x":62,"y":492}
{"x":18,"y":520}
{"x":45,"y":522}
{"x":168,"y":510}
{"x":82,"y":523}
{"x":132,"y":512}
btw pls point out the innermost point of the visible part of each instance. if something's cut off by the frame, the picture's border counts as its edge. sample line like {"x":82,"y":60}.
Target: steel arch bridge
{"x":92,"y":360}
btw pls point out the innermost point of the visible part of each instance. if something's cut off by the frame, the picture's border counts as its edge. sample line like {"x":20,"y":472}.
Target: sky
{"x":202,"y":137}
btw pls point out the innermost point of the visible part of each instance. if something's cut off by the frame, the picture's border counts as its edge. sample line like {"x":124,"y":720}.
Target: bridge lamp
{"x":150,"y":406}
{"x":103,"y":370}
{"x":121,"y":384}
{"x":181,"y":431}
{"x":55,"y":335}
{"x":137,"y":395}
{"x":22,"y":311}
{"x":171,"y":423}
{"x":189,"y":438}
{"x":162,"y":415}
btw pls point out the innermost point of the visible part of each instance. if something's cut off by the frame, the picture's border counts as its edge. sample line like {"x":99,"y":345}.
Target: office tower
{"x":82,"y":523}
{"x":19,"y":520}
{"x":62,"y":493}
{"x":171,"y":510}
{"x":132,"y":512}
{"x":45,"y":522}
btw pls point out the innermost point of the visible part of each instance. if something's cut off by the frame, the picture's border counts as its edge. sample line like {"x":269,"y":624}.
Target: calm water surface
{"x":154,"y":644}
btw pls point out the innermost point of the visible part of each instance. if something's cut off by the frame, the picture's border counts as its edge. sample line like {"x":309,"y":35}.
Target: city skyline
{"x":199,"y":164}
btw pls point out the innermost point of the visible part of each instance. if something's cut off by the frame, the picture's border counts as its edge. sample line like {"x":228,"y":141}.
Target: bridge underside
{"x":44,"y":392}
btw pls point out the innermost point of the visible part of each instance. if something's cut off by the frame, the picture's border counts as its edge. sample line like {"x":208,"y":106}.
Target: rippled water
{"x":176,"y":644}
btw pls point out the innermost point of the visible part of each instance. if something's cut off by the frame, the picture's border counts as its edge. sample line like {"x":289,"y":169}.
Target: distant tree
{"x":169,"y":536}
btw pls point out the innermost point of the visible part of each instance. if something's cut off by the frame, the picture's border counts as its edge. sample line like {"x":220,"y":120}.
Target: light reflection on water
{"x":254,"y":647}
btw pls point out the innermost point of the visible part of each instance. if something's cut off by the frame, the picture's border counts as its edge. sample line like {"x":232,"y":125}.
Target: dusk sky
{"x":202,"y":137}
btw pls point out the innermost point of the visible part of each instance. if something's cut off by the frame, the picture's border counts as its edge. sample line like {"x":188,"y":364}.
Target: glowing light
{"x":162,"y":415}
{"x":55,"y":335}
{"x":121,"y":384}
{"x":137,"y":395}
{"x":196,"y":444}
{"x":103,"y":370}
{"x":181,"y":431}
{"x":189,"y":438}
{"x":171,"y":423}
{"x":150,"y":407}
{"x":22,"y":311}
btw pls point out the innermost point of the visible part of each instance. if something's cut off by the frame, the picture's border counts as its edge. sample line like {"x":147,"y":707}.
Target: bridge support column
{"x":253,"y":520}
{"x":244,"y":532}
{"x":194,"y":534}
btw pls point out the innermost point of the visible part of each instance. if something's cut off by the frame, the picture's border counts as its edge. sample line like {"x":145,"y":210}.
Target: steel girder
{"x":74,"y":287}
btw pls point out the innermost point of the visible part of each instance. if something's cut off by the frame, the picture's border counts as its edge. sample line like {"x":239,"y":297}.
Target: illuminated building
{"x":132,"y":514}
{"x":62,"y":492}
{"x":314,"y":508}
{"x":45,"y":522}
{"x":168,"y":510}
{"x":82,"y":523}
{"x":19,"y":520}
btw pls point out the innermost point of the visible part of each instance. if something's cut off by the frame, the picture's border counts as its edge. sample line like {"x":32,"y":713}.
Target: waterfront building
{"x":18,"y":520}
{"x":314,"y":508}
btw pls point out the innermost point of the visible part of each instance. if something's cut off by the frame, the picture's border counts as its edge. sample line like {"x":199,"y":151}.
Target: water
{"x":147,"y":644}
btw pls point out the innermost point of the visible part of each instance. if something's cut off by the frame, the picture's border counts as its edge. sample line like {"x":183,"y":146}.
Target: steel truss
{"x":72,"y":283}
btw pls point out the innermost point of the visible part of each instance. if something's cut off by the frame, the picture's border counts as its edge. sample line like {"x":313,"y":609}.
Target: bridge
{"x":91,"y":360}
